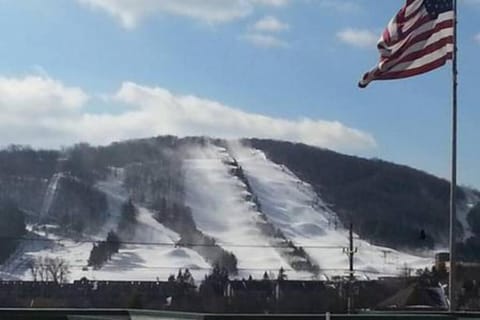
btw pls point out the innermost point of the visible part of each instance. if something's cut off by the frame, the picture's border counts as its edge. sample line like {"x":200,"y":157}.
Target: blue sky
{"x":105,"y":70}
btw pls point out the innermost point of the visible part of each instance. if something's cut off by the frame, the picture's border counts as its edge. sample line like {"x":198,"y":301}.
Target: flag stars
{"x":437,"y":7}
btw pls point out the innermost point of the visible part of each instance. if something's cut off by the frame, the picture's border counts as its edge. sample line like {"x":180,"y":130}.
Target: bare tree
{"x":38,"y":269}
{"x":33,"y":270}
{"x":57,"y":269}
{"x":49,"y":269}
{"x":34,"y":267}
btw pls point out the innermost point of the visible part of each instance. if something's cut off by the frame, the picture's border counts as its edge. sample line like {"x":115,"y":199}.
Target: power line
{"x":188,"y":245}
{"x":175,"y":244}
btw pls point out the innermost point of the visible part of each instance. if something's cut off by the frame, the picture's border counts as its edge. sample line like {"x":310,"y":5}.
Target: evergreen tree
{"x":128,"y":219}
{"x":128,"y":215}
{"x":113,"y":242}
{"x":102,"y":252}
{"x":12,"y":227}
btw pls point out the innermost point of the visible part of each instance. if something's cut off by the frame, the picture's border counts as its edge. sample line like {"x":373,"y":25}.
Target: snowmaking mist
{"x":221,"y":210}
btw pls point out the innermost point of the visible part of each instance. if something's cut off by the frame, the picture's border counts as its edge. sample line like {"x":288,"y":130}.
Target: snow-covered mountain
{"x":185,"y":203}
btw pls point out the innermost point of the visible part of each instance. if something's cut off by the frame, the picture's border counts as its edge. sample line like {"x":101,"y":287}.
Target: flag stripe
{"x":423,"y":60}
{"x":422,"y":28}
{"x":440,"y":31}
{"x":420,"y":17}
{"x":440,"y":38}
{"x":413,"y":9}
{"x":418,"y":70}
{"x":441,"y":44}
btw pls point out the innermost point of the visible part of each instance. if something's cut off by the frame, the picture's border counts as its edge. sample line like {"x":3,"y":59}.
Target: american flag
{"x":417,"y":40}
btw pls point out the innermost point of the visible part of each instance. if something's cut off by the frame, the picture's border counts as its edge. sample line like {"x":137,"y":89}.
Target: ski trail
{"x":220,"y":210}
{"x":50,"y":195}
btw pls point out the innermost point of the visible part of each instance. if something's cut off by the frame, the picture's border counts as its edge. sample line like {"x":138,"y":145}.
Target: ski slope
{"x":49,"y":197}
{"x":220,"y":211}
{"x":297,"y":210}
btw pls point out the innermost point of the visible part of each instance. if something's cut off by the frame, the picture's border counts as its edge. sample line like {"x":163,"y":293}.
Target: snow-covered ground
{"x":152,"y":254}
{"x":297,"y":210}
{"x":141,"y":261}
{"x":220,"y":211}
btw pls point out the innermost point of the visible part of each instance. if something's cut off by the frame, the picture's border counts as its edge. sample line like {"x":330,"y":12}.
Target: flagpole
{"x":453,"y":184}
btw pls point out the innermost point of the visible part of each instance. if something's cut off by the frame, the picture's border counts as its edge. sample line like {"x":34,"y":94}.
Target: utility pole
{"x":350,"y":251}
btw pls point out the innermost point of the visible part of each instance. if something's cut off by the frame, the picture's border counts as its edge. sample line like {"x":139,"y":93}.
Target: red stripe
{"x":402,"y":18}
{"x":424,"y":20}
{"x":414,"y":13}
{"x":425,"y":51}
{"x":419,"y":23}
{"x":398,"y":17}
{"x":386,"y":38}
{"x":427,"y":34}
{"x":416,"y":71}
{"x":405,"y":7}
{"x":421,"y":37}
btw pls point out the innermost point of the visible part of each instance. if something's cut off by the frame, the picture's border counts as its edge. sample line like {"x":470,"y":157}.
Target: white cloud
{"x":38,"y":94}
{"x":361,"y":38}
{"x":158,"y":109}
{"x":32,"y":108}
{"x":265,"y":40}
{"x":131,"y":12}
{"x":477,"y":38}
{"x":147,"y":111}
{"x":270,"y":24}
